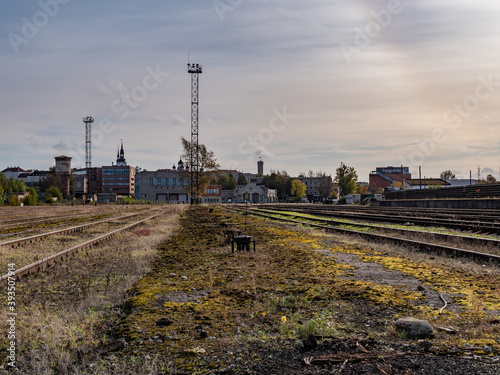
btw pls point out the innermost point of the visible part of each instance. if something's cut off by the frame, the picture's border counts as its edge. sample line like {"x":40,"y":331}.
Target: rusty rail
{"x":424,"y":246}
{"x":79,"y":228}
{"x":44,"y":263}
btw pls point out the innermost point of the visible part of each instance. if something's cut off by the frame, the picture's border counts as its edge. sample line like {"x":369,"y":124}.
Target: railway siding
{"x":488,"y":256}
{"x":47,"y":261}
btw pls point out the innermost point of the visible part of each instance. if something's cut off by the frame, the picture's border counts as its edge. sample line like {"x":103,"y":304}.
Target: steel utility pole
{"x":88,"y":149}
{"x":194,"y":70}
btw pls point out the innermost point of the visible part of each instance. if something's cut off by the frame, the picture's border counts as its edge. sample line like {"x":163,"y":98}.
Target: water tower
{"x":63,"y":171}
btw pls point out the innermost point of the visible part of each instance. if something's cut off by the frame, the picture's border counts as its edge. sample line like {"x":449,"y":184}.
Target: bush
{"x":53,"y":192}
{"x":31,"y":199}
{"x":14,"y":200}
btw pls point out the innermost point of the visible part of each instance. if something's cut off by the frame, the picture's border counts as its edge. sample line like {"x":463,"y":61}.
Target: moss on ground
{"x":200,"y":301}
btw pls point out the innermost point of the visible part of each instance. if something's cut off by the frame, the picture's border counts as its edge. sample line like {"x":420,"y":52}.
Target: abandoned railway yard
{"x":167,"y":289}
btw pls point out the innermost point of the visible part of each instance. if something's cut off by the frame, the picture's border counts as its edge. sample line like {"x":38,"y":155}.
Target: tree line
{"x":11,"y":189}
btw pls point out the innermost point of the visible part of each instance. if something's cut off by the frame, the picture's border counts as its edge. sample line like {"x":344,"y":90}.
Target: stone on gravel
{"x":163,"y":322}
{"x":415,"y":328}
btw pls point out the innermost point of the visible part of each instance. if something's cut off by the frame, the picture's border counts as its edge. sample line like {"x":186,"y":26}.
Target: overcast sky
{"x":302,"y":84}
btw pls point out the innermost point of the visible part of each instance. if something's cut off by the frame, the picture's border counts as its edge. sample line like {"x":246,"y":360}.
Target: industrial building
{"x":163,"y":185}
{"x":384,"y":177}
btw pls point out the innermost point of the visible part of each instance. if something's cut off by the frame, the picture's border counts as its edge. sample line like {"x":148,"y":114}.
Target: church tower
{"x":120,"y":157}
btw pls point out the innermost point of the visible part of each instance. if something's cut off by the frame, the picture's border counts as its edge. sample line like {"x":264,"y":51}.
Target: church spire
{"x":120,"y":157}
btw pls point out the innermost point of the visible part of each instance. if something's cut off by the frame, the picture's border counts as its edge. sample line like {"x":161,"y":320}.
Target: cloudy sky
{"x":304,"y":85}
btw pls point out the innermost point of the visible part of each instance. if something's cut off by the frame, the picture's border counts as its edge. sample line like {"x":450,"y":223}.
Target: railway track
{"x":79,"y":228}
{"x":47,"y":261}
{"x":459,"y":224}
{"x":8,"y":225}
{"x":485,"y":215}
{"x":421,"y":245}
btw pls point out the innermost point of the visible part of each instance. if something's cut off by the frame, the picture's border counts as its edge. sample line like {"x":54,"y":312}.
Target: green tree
{"x":3,"y":195}
{"x":207,"y":164}
{"x":298,"y":189}
{"x":52,"y":179}
{"x":346,"y":177}
{"x":490,"y":179}
{"x":17,"y":185}
{"x":279,"y":181}
{"x":4,"y":182}
{"x":448,"y":175}
{"x":32,"y":198}
{"x":227,"y":182}
{"x":241,"y":179}
{"x":53,"y":192}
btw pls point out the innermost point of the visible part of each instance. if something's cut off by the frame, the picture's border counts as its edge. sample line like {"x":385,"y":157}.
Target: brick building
{"x":384,"y":177}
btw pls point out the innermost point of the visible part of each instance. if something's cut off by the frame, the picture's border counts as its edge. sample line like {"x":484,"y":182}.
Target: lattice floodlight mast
{"x":194,"y":70}
{"x":88,"y":148}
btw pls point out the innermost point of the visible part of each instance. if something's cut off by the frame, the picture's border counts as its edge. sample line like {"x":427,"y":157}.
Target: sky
{"x":301,"y":85}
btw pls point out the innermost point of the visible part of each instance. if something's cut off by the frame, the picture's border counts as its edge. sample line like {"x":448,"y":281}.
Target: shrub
{"x":31,"y":199}
{"x":14,"y":200}
{"x":53,"y":192}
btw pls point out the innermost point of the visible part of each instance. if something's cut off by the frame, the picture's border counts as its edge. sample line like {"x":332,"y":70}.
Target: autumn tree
{"x":325,"y":185}
{"x":14,"y":200}
{"x":207,"y":164}
{"x":346,"y":178}
{"x":298,"y":189}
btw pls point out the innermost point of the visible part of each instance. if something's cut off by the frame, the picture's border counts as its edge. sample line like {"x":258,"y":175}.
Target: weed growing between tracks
{"x":206,"y":310}
{"x":68,"y":310}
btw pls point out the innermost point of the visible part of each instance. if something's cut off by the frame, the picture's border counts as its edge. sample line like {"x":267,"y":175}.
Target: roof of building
{"x":39,"y":173}
{"x":427,"y":181}
{"x":13,"y":169}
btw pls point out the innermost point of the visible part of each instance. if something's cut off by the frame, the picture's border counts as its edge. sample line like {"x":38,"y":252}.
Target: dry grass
{"x":74,"y":305}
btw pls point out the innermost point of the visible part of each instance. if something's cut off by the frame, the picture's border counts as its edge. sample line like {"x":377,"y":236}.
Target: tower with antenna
{"x":88,"y":149}
{"x":195,"y":70}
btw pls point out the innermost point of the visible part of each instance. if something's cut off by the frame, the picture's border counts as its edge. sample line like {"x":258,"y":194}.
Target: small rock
{"x":425,"y":346}
{"x":415,"y":328}
{"x":203,"y":334}
{"x":184,"y":278}
{"x":171,"y":274}
{"x":487,"y":349}
{"x":310,"y":342}
{"x":163,"y":322}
